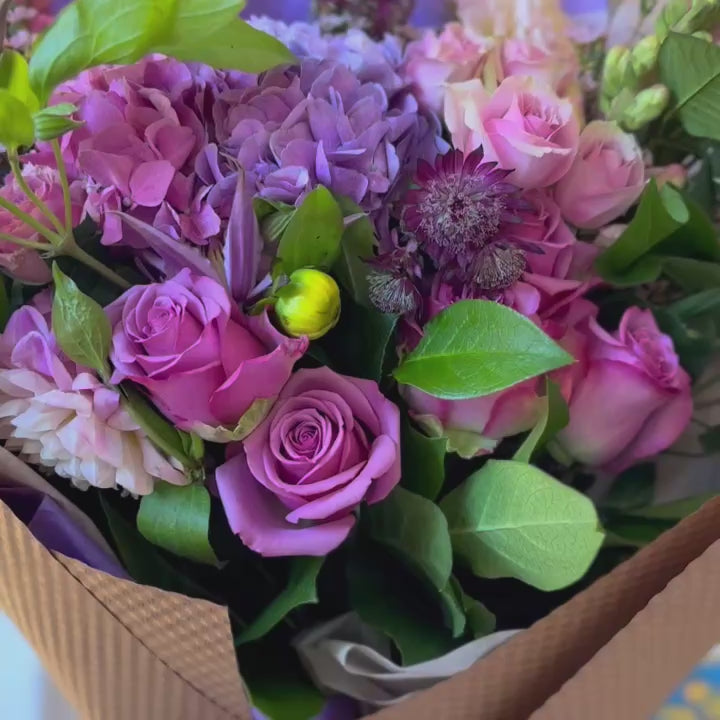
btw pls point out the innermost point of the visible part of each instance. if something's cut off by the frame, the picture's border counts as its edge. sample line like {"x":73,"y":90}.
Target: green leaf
{"x":187,"y":448}
{"x":690,"y":67}
{"x":312,"y":238}
{"x":423,"y":461}
{"x":480,"y":620}
{"x":695,"y":239}
{"x":178,"y":520}
{"x":451,"y":597}
{"x":555,"y":416}
{"x":513,"y":520}
{"x":357,"y":246}
{"x":384,"y":601}
{"x":476,"y":348}
{"x":645,"y":270}
{"x":415,"y":530}
{"x":80,"y":325}
{"x":94,"y":32}
{"x":695,"y":350}
{"x":706,"y":302}
{"x":300,"y":590}
{"x":676,"y":510}
{"x":635,"y":488}
{"x":660,"y":214}
{"x":275,"y":224}
{"x":15,"y":78}
{"x":54,"y":121}
{"x":692,"y":275}
{"x":16,"y":123}
{"x":635,"y":532}
{"x":710,"y":440}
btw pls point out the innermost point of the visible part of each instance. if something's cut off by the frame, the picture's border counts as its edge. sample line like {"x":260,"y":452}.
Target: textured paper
{"x":342,"y":658}
{"x":119,"y":651}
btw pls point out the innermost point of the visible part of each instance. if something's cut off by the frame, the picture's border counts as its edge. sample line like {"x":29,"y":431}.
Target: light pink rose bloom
{"x":606,"y":179}
{"x":330,"y":443}
{"x":523,"y":125}
{"x":550,"y":66}
{"x":435,"y":60}
{"x":22,"y":263}
{"x":634,"y":400}
{"x":205,"y":365}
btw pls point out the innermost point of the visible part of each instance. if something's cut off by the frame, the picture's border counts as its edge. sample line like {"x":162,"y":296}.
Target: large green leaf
{"x":690,"y":67}
{"x":510,"y":519}
{"x":80,"y":325}
{"x":415,"y":530}
{"x":300,"y":590}
{"x":697,"y":238}
{"x":660,"y":214}
{"x":312,"y":237}
{"x":555,"y":416}
{"x":477,"y":347}
{"x":358,"y":245}
{"x":423,"y":461}
{"x":94,"y":32}
{"x":692,"y":275}
{"x":16,"y":123}
{"x":178,"y":520}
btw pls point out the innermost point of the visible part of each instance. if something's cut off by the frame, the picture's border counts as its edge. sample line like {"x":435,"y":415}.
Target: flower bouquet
{"x":373,"y":335}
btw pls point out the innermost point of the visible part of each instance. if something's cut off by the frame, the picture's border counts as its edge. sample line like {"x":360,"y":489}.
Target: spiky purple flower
{"x":374,"y":16}
{"x":393,"y":279}
{"x":458,"y":206}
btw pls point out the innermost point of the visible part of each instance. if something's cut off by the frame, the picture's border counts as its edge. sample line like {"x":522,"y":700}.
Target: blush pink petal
{"x":259,"y":519}
{"x":150,"y":181}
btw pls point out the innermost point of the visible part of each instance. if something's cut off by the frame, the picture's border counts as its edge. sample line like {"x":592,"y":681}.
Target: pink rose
{"x":329,"y":444}
{"x":22,"y":263}
{"x":435,"y":60}
{"x":523,"y":125}
{"x":557,"y":68}
{"x":204,"y":364}
{"x":634,"y":400}
{"x":607,"y":177}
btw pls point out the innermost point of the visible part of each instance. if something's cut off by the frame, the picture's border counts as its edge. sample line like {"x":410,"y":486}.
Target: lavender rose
{"x":634,"y":400}
{"x":204,"y":363}
{"x":330,"y":443}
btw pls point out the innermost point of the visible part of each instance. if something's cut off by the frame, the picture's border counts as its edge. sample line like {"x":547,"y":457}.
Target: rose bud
{"x":309,"y":305}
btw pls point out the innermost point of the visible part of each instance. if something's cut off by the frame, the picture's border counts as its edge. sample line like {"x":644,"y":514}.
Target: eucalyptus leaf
{"x":510,"y":519}
{"x":555,"y":416}
{"x":476,"y":348}
{"x":301,"y":590}
{"x":312,"y":237}
{"x":423,"y":461}
{"x":690,"y":67}
{"x":415,"y":530}
{"x":660,"y":213}
{"x":357,"y":246}
{"x":177,"y":519}
{"x":80,"y":325}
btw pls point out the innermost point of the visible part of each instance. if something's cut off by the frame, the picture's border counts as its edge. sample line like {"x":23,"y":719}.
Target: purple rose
{"x":330,"y":443}
{"x":204,"y":363}
{"x":634,"y":400}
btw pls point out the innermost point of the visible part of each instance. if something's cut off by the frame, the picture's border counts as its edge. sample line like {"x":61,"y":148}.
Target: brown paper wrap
{"x":119,"y":651}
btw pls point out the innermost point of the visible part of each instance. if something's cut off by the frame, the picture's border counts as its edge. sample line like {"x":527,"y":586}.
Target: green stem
{"x":34,"y":199}
{"x":42,"y":247}
{"x":62,"y":170}
{"x":52,"y":237}
{"x":73,"y":250}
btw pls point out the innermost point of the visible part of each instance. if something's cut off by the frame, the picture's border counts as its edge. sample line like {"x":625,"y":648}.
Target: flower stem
{"x":34,"y":199}
{"x":73,"y":250}
{"x":62,"y":170}
{"x":42,"y":247}
{"x":52,"y":237}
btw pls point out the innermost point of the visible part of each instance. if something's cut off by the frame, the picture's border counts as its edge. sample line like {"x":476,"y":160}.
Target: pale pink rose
{"x":634,"y":400}
{"x":555,"y":67}
{"x":605,"y":180}
{"x":454,"y":55}
{"x":523,"y":125}
{"x":674,"y":174}
{"x":22,"y":263}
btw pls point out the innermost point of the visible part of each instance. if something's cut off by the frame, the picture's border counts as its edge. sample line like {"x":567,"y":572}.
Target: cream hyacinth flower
{"x":57,"y":415}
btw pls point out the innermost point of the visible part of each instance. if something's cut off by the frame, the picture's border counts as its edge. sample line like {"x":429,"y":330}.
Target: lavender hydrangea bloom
{"x":358,"y":132}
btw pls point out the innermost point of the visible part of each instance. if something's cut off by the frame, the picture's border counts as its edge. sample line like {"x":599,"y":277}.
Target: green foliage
{"x":177,"y":519}
{"x":555,"y":416}
{"x":513,"y":520}
{"x":423,"y":461}
{"x":80,"y":325}
{"x":300,"y":590}
{"x":476,"y":348}
{"x":357,"y":246}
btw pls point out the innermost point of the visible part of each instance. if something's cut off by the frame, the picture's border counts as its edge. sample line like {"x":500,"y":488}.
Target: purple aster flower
{"x":356,"y":132}
{"x":394,"y":277}
{"x":458,"y":206}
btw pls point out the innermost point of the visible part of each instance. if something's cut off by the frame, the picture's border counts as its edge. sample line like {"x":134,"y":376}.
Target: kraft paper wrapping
{"x":119,"y":651}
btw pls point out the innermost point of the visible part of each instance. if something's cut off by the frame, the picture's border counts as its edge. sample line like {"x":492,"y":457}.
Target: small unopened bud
{"x":643,"y":56}
{"x":615,"y":70}
{"x":309,"y":305}
{"x":647,"y":106}
{"x":672,"y":14}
